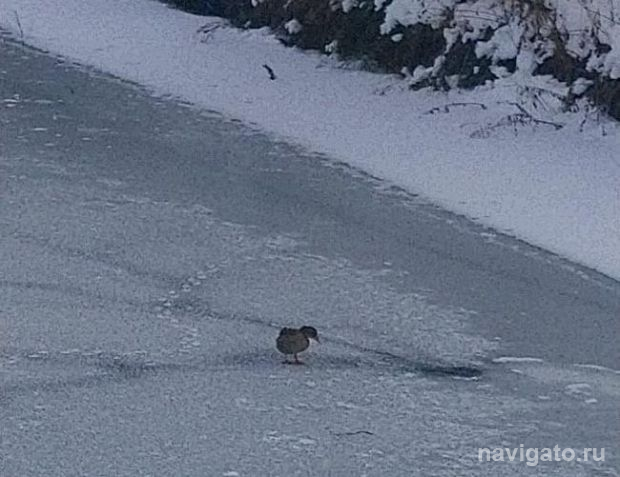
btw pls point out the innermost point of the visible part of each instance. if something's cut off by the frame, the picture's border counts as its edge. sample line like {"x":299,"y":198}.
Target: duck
{"x":294,"y":341}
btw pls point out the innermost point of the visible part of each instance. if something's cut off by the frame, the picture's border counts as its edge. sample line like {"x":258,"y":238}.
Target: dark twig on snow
{"x":534,"y":120}
{"x":446,"y":108}
{"x":521,"y":118}
{"x":272,"y":75}
{"x":208,"y":30}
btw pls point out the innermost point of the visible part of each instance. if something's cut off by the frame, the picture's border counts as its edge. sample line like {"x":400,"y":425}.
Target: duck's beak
{"x":317,"y":340}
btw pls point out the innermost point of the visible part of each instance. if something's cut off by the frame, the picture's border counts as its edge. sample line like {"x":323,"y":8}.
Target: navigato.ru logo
{"x":533,"y":455}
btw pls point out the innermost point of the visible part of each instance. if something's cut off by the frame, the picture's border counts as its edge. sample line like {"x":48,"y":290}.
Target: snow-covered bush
{"x":576,"y":42}
{"x":564,"y":48}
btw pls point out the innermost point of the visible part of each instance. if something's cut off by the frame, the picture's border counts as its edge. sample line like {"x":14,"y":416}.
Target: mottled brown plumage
{"x":294,"y":341}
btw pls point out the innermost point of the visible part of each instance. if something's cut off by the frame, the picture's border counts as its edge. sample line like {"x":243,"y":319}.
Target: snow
{"x":293,"y":26}
{"x":348,"y":5}
{"x":410,"y":12}
{"x":503,"y":45}
{"x":555,"y":189}
{"x":517,"y":359}
{"x":612,"y":59}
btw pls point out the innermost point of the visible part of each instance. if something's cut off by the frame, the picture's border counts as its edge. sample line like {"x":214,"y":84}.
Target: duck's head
{"x":310,"y":333}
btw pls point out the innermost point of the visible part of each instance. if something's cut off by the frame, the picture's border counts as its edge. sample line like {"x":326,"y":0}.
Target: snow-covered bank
{"x":558,"y":189}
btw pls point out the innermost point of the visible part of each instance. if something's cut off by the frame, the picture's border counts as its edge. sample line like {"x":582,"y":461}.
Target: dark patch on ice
{"x":387,"y":362}
{"x":11,"y":391}
{"x":427,"y":366}
{"x":434,"y":369}
{"x":272,"y":360}
{"x":57,"y":372}
{"x":67,"y":290}
{"x":449,"y":370}
{"x":114,"y":372}
{"x":126,"y":367}
{"x":60,"y":371}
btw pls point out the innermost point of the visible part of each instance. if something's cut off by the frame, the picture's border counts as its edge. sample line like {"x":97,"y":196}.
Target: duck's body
{"x":294,"y":341}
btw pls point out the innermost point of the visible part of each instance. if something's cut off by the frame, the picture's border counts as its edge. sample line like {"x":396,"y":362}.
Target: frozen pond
{"x":149,"y":254}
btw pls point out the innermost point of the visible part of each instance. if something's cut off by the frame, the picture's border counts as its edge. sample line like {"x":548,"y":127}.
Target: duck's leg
{"x":297,"y":360}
